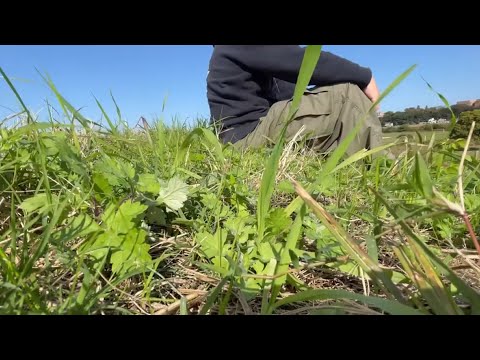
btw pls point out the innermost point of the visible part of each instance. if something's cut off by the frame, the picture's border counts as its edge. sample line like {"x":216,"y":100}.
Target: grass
{"x":166,"y":220}
{"x":440,"y":135}
{"x":419,"y":139}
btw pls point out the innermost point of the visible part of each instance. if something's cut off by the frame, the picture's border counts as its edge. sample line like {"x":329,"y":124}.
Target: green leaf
{"x":278,"y":221}
{"x":156,"y":215}
{"x":207,"y":139}
{"x":123,"y":219}
{"x":174,"y":194}
{"x":372,"y":248}
{"x":102,"y":184}
{"x":210,"y":201}
{"x":214,"y":204}
{"x":148,"y":183}
{"x":213,"y":245}
{"x":269,"y":269}
{"x":221,"y":265}
{"x":238,"y":228}
{"x":132,"y":254}
{"x":285,"y":259}
{"x":78,"y":226}
{"x":251,"y":288}
{"x":116,"y":171}
{"x":38,"y":203}
{"x":51,"y":148}
{"x":265,"y":249}
{"x":423,"y":181}
{"x":71,"y":161}
{"x":286,"y":187}
{"x":101,"y":245}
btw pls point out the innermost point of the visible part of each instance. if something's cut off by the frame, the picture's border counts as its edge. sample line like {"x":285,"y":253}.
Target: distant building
{"x":432,"y":121}
{"x":442,"y":121}
{"x":388,"y":124}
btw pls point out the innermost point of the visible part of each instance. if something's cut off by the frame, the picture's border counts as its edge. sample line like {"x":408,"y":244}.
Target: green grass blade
{"x":337,"y":154}
{"x":164,"y":102}
{"x":119,"y":114}
{"x":343,"y":146}
{"x":351,"y":247}
{"x":372,"y":248}
{"x":113,"y":128}
{"x":453,"y":121}
{"x":43,"y":244}
{"x":466,"y":290}
{"x":183,"y":306}
{"x":213,"y":296}
{"x":439,"y":298}
{"x":361,"y":154}
{"x":208,"y":139}
{"x":160,"y":139}
{"x":310,"y":60}
{"x":5,"y":77}
{"x":292,"y":239}
{"x":389,"y":306}
{"x":422,"y":177}
{"x":67,"y":107}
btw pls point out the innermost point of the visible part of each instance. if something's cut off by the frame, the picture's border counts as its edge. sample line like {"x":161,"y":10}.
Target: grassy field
{"x":413,"y":136}
{"x":167,"y":220}
{"x":419,"y":139}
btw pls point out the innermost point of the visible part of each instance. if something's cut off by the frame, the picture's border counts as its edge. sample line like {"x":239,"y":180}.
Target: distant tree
{"x":415,"y":115}
{"x":460,"y":108}
{"x":464,"y":122}
{"x":443,"y":113}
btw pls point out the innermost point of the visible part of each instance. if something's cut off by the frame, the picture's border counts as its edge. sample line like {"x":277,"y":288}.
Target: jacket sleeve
{"x":284,"y":62}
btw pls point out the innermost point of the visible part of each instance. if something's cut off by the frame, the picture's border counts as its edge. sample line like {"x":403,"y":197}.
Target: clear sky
{"x":142,"y":77}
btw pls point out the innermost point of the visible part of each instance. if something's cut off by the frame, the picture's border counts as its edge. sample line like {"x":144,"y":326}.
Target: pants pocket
{"x":315,"y":114}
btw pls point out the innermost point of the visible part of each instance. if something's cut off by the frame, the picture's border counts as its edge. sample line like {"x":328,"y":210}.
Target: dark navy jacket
{"x":244,"y":81}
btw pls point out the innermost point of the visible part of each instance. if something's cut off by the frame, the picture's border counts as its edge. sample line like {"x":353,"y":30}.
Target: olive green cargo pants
{"x":328,"y":113}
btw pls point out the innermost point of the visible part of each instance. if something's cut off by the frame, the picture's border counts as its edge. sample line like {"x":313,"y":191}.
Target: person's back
{"x":238,"y":95}
{"x":245,"y":82}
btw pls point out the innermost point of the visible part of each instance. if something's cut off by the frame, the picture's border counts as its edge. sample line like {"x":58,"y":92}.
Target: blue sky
{"x":142,"y":77}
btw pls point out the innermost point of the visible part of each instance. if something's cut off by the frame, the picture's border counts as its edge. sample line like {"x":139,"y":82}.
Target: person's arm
{"x":372,"y":91}
{"x":284,"y":62}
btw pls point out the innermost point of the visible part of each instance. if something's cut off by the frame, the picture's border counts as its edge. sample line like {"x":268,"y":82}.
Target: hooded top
{"x":244,"y":81}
